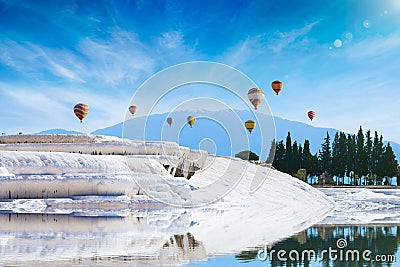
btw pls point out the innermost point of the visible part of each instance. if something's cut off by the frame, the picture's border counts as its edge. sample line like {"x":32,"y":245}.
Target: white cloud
{"x":27,"y":57}
{"x":50,"y":63}
{"x":31,"y":100}
{"x":15,"y":55}
{"x":243,"y":51}
{"x":121,"y":58}
{"x":171,"y":39}
{"x":254,"y":46}
{"x":371,"y":47}
{"x":282,"y":40}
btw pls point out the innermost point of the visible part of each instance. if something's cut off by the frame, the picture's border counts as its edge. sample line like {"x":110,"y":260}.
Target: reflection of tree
{"x":182,"y":240}
{"x":247,"y":255}
{"x":186,"y":246}
{"x":381,"y":240}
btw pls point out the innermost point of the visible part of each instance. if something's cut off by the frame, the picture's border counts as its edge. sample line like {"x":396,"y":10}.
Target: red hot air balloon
{"x":81,"y":110}
{"x":311,"y":114}
{"x":277,"y":86}
{"x":132,"y":110}
{"x":256,"y":96}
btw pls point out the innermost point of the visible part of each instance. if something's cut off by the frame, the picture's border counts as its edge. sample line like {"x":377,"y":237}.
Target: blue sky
{"x":340,"y":58}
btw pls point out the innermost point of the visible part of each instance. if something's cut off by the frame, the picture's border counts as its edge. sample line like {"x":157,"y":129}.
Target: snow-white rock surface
{"x":4,"y":172}
{"x":57,"y":163}
{"x":170,"y":154}
{"x":361,"y":206}
{"x":280,"y":206}
{"x":56,"y":174}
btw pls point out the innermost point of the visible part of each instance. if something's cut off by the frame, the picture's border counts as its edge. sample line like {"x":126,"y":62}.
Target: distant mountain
{"x":59,"y":131}
{"x":155,"y":128}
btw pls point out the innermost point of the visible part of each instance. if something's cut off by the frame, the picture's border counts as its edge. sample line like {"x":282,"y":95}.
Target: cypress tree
{"x":295,"y":164}
{"x":288,"y":154}
{"x":279,"y":161}
{"x":315,"y":168}
{"x":325,"y":155}
{"x":271,"y":154}
{"x":361,"y":159}
{"x":380,"y":168}
{"x":308,"y":161}
{"x":389,"y":163}
{"x":351,"y":155}
{"x":342,"y":162}
{"x":376,"y":153}
{"x":306,"y":156}
{"x":299,"y":156}
{"x":368,"y":154}
{"x":335,"y":156}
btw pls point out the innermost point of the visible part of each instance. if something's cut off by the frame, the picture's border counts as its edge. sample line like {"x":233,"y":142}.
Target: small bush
{"x":247,"y":155}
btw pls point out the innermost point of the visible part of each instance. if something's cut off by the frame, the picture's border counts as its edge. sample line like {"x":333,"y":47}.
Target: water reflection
{"x":383,"y":241}
{"x":26,"y":238}
{"x":148,"y":238}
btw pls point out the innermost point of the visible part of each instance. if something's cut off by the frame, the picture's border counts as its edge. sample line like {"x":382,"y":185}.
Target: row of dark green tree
{"x":361,"y":157}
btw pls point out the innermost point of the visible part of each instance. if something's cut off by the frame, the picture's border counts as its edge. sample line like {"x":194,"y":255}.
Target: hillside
{"x":299,"y":131}
{"x":59,"y":131}
{"x":156,"y":129}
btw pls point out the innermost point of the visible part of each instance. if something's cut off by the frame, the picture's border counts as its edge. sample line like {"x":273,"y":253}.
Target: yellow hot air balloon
{"x":190,"y":120}
{"x":81,"y":110}
{"x":250,"y":125}
{"x":256,"y":96}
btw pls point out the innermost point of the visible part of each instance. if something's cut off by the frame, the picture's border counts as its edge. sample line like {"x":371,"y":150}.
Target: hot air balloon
{"x":311,"y":114}
{"x":277,"y":86}
{"x":250,"y":125}
{"x":170,"y":121}
{"x":190,"y":120}
{"x":132,"y":110}
{"x":81,"y":110}
{"x":256,"y":96}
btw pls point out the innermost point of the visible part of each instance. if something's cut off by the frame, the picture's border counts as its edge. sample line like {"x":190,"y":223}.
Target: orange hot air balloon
{"x":81,"y":110}
{"x":250,"y":125}
{"x":277,"y":86}
{"x":311,"y":114}
{"x":132,"y":110}
{"x":170,"y":121}
{"x":190,"y":120}
{"x":256,"y":96}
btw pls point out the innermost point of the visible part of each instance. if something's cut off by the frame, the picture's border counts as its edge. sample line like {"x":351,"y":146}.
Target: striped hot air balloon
{"x":311,"y":114}
{"x":250,"y":125}
{"x":256,"y":96}
{"x":277,"y":86}
{"x":81,"y":110}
